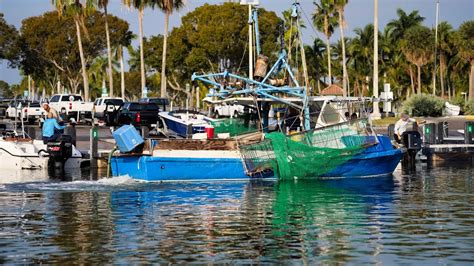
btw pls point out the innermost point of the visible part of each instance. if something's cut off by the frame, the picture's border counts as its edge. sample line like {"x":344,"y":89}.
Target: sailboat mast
{"x":436,"y":48}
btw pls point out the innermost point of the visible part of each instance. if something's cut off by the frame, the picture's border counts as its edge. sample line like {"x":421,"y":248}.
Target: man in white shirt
{"x":401,"y":126}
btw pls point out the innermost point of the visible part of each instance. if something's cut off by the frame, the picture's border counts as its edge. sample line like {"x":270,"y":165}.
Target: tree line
{"x":80,"y":45}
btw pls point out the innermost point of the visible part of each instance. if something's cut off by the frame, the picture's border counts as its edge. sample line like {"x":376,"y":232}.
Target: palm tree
{"x":360,"y":53}
{"x":464,"y":41}
{"x":445,"y":48}
{"x":167,"y":6}
{"x":78,"y":10}
{"x":325,"y":21}
{"x":340,"y":4}
{"x":103,"y":5}
{"x":403,"y":23}
{"x":140,"y":6}
{"x":417,"y":45}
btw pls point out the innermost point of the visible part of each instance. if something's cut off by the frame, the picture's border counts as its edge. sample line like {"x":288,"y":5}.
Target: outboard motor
{"x":412,"y":142}
{"x":59,"y":152}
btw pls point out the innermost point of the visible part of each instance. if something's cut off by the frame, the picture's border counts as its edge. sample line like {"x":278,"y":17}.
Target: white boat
{"x":185,"y":122}
{"x":17,"y":152}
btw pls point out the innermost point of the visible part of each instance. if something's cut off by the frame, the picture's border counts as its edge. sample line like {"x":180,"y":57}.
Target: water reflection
{"x":426,"y":217}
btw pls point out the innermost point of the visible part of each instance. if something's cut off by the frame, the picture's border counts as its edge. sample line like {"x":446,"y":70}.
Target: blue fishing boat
{"x":176,"y":159}
{"x":351,"y":150}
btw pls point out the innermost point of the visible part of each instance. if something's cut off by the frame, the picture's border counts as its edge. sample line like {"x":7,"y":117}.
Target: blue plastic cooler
{"x":127,"y":138}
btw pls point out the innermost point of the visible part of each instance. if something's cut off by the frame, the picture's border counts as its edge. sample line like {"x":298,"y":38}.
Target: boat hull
{"x":369,"y":164}
{"x":182,"y":129}
{"x":152,"y":168}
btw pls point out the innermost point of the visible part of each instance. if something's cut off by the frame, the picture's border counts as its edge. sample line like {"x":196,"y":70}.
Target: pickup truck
{"x":228,"y":110}
{"x":72,"y":106}
{"x":100,"y":104}
{"x":33,"y":112}
{"x":133,"y":113}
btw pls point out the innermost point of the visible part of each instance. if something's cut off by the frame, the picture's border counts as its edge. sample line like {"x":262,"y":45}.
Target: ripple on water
{"x":424,"y":218}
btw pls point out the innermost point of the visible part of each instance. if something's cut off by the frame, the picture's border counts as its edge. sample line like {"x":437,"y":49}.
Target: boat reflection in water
{"x":257,"y":219}
{"x":424,"y":217}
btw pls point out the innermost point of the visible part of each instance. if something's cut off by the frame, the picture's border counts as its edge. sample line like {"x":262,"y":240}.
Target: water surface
{"x":422,"y":217}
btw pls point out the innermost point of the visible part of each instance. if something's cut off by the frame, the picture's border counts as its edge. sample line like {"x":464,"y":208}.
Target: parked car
{"x":4,"y":103}
{"x":228,"y":110}
{"x":33,"y":112}
{"x":161,"y":102}
{"x":133,"y":113}
{"x":100,"y":104}
{"x":72,"y":106}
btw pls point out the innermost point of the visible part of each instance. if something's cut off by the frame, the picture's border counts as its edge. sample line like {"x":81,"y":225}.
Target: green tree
{"x":5,"y":89}
{"x":464,"y":41}
{"x":405,"y":21}
{"x":9,"y":48}
{"x":316,"y":67}
{"x":140,"y":6}
{"x":417,"y":45}
{"x":340,"y":5}
{"x":167,"y":6}
{"x":102,"y":4}
{"x":360,"y":57}
{"x":78,"y":10}
{"x":325,"y":21}
{"x":445,"y":48}
{"x":209,"y":37}
{"x":49,"y":46}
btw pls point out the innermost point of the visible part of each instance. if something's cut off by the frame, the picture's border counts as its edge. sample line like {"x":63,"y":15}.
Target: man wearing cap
{"x":402,"y":126}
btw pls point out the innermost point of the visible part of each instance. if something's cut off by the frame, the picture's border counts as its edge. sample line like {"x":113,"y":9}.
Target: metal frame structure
{"x":261,"y":89}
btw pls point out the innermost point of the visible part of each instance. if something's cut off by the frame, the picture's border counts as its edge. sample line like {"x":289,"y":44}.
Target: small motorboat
{"x":185,"y":122}
{"x":18,"y":151}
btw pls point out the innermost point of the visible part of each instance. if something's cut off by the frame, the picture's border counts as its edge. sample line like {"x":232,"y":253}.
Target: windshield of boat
{"x":330,"y":115}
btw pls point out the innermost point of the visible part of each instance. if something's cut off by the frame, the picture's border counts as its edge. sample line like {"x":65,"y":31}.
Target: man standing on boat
{"x":401,"y":126}
{"x":51,"y":129}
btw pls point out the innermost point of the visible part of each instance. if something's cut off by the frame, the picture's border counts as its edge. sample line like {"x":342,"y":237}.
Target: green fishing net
{"x":309,"y":154}
{"x":232,"y":126}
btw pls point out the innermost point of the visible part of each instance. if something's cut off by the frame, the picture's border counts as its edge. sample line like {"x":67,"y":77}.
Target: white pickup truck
{"x":72,"y":106}
{"x":228,"y":110}
{"x":101,"y":103}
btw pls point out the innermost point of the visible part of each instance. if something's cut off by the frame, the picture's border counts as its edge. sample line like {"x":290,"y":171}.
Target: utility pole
{"x":376,"y":112}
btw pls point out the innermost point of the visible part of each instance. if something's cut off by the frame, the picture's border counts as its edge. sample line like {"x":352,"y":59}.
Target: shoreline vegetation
{"x":79,"y":47}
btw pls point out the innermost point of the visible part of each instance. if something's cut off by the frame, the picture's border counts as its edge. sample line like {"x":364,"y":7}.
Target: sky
{"x":358,"y":13}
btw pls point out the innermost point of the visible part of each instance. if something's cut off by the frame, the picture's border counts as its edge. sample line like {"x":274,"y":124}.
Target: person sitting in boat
{"x":51,"y":112}
{"x":51,"y":129}
{"x":401,"y":126}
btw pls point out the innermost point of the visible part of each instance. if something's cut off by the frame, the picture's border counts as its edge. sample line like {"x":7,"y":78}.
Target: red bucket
{"x":210,"y":131}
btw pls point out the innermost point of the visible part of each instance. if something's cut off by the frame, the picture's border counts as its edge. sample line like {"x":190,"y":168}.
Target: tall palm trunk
{"x":83,"y":61}
{"x":142,"y":61}
{"x":109,"y":54}
{"x":442,"y":70}
{"x":344,"y":67}
{"x":419,"y":78}
{"x":163,"y":58}
{"x":122,"y":73}
{"x":471,"y":82}
{"x":328,"y":50}
{"x":412,"y":81}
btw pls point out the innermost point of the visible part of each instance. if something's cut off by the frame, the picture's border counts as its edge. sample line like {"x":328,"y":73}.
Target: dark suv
{"x":133,"y":113}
